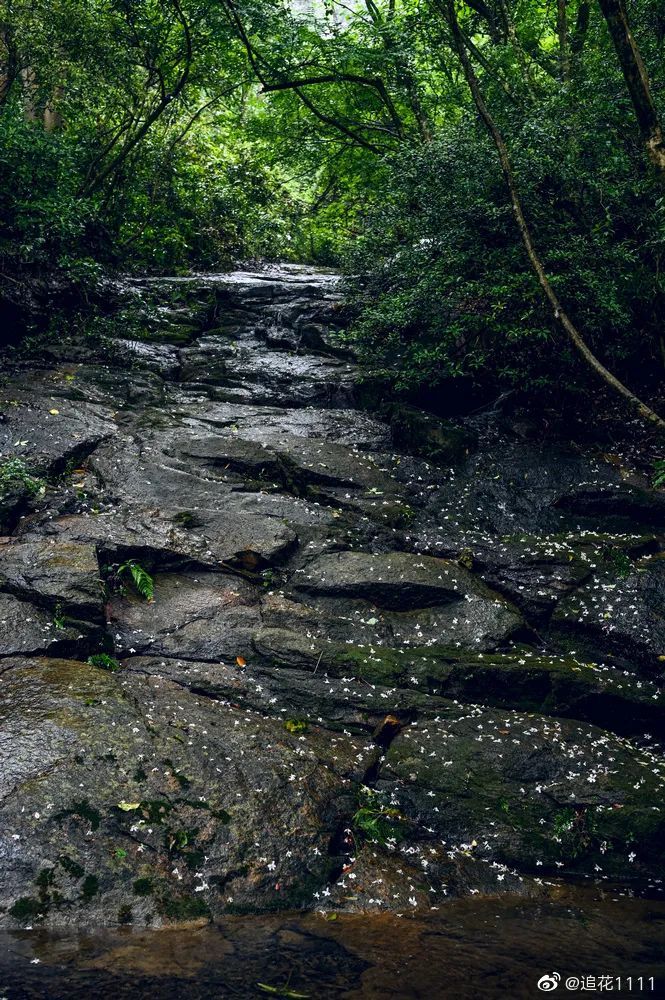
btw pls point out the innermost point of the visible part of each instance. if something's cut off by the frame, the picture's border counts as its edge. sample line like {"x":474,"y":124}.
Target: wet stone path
{"x":339,"y":663}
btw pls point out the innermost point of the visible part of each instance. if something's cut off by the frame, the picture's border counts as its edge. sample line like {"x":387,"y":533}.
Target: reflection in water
{"x":483,"y":948}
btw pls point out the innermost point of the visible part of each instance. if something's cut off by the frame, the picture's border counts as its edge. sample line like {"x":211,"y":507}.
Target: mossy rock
{"x":524,"y":679}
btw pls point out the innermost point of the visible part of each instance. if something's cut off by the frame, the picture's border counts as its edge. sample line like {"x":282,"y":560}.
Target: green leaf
{"x":143,"y":582}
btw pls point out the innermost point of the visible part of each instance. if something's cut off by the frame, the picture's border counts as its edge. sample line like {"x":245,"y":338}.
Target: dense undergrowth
{"x":192,"y":136}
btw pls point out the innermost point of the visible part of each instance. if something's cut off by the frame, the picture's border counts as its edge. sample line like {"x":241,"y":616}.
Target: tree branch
{"x":559,"y":313}
{"x":637,"y":82}
{"x":98,"y":179}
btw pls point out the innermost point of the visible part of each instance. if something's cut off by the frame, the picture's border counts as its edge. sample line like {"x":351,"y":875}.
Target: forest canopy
{"x":485,"y":172}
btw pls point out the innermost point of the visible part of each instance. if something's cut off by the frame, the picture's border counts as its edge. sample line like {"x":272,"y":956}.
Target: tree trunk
{"x":564,"y":48}
{"x":559,"y":314}
{"x":52,"y":116}
{"x":637,"y":81}
{"x":29,"y":93}
{"x":8,"y":62}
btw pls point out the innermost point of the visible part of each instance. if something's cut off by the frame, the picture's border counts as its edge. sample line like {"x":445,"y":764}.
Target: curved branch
{"x":261,"y":67}
{"x":98,"y":179}
{"x":560,"y":314}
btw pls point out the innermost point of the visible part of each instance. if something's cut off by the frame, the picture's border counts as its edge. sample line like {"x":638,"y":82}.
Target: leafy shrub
{"x":104,"y":661}
{"x":14,"y":473}
{"x":375,"y":821}
{"x":439,"y":276}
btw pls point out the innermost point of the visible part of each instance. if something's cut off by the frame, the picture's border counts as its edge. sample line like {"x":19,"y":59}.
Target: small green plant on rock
{"x":142,"y":581}
{"x":296,"y":726}
{"x":132,"y":572}
{"x":104,"y":661}
{"x":618,"y":562}
{"x":14,"y":473}
{"x":375,"y":821}
{"x":574,"y":830}
{"x":659,"y":472}
{"x":59,"y":619}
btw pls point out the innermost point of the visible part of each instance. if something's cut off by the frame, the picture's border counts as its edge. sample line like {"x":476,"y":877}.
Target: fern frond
{"x":143,"y":582}
{"x":659,"y":469}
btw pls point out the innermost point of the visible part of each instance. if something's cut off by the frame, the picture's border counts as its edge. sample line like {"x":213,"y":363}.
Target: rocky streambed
{"x":261,"y":649}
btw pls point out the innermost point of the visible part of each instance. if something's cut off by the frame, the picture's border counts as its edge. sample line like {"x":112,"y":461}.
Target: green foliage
{"x":376,"y":821}
{"x":659,"y":473}
{"x":574,"y":830}
{"x":143,"y":583}
{"x":144,"y":138}
{"x":296,"y":726}
{"x":617,"y":562}
{"x":59,"y":619}
{"x":15,"y":474}
{"x":104,"y":661}
{"x":444,"y":288}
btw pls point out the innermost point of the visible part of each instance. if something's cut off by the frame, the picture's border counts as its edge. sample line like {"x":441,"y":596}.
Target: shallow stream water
{"x":470,"y":948}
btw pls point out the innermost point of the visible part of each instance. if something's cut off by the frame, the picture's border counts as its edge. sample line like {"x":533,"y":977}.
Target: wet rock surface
{"x":337,"y":662}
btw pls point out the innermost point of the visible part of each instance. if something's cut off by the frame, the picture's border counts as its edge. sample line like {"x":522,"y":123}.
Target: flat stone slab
{"x":315,"y":698}
{"x":203,"y":616}
{"x":270,"y":424}
{"x":294,"y":462}
{"x":62,"y":574}
{"x":249,"y":372}
{"x":26,"y":629}
{"x":555,"y":685}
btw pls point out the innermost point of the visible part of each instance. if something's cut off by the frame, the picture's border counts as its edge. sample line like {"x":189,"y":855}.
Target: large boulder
{"x":541,"y":794}
{"x":204,"y":616}
{"x":138,"y":801}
